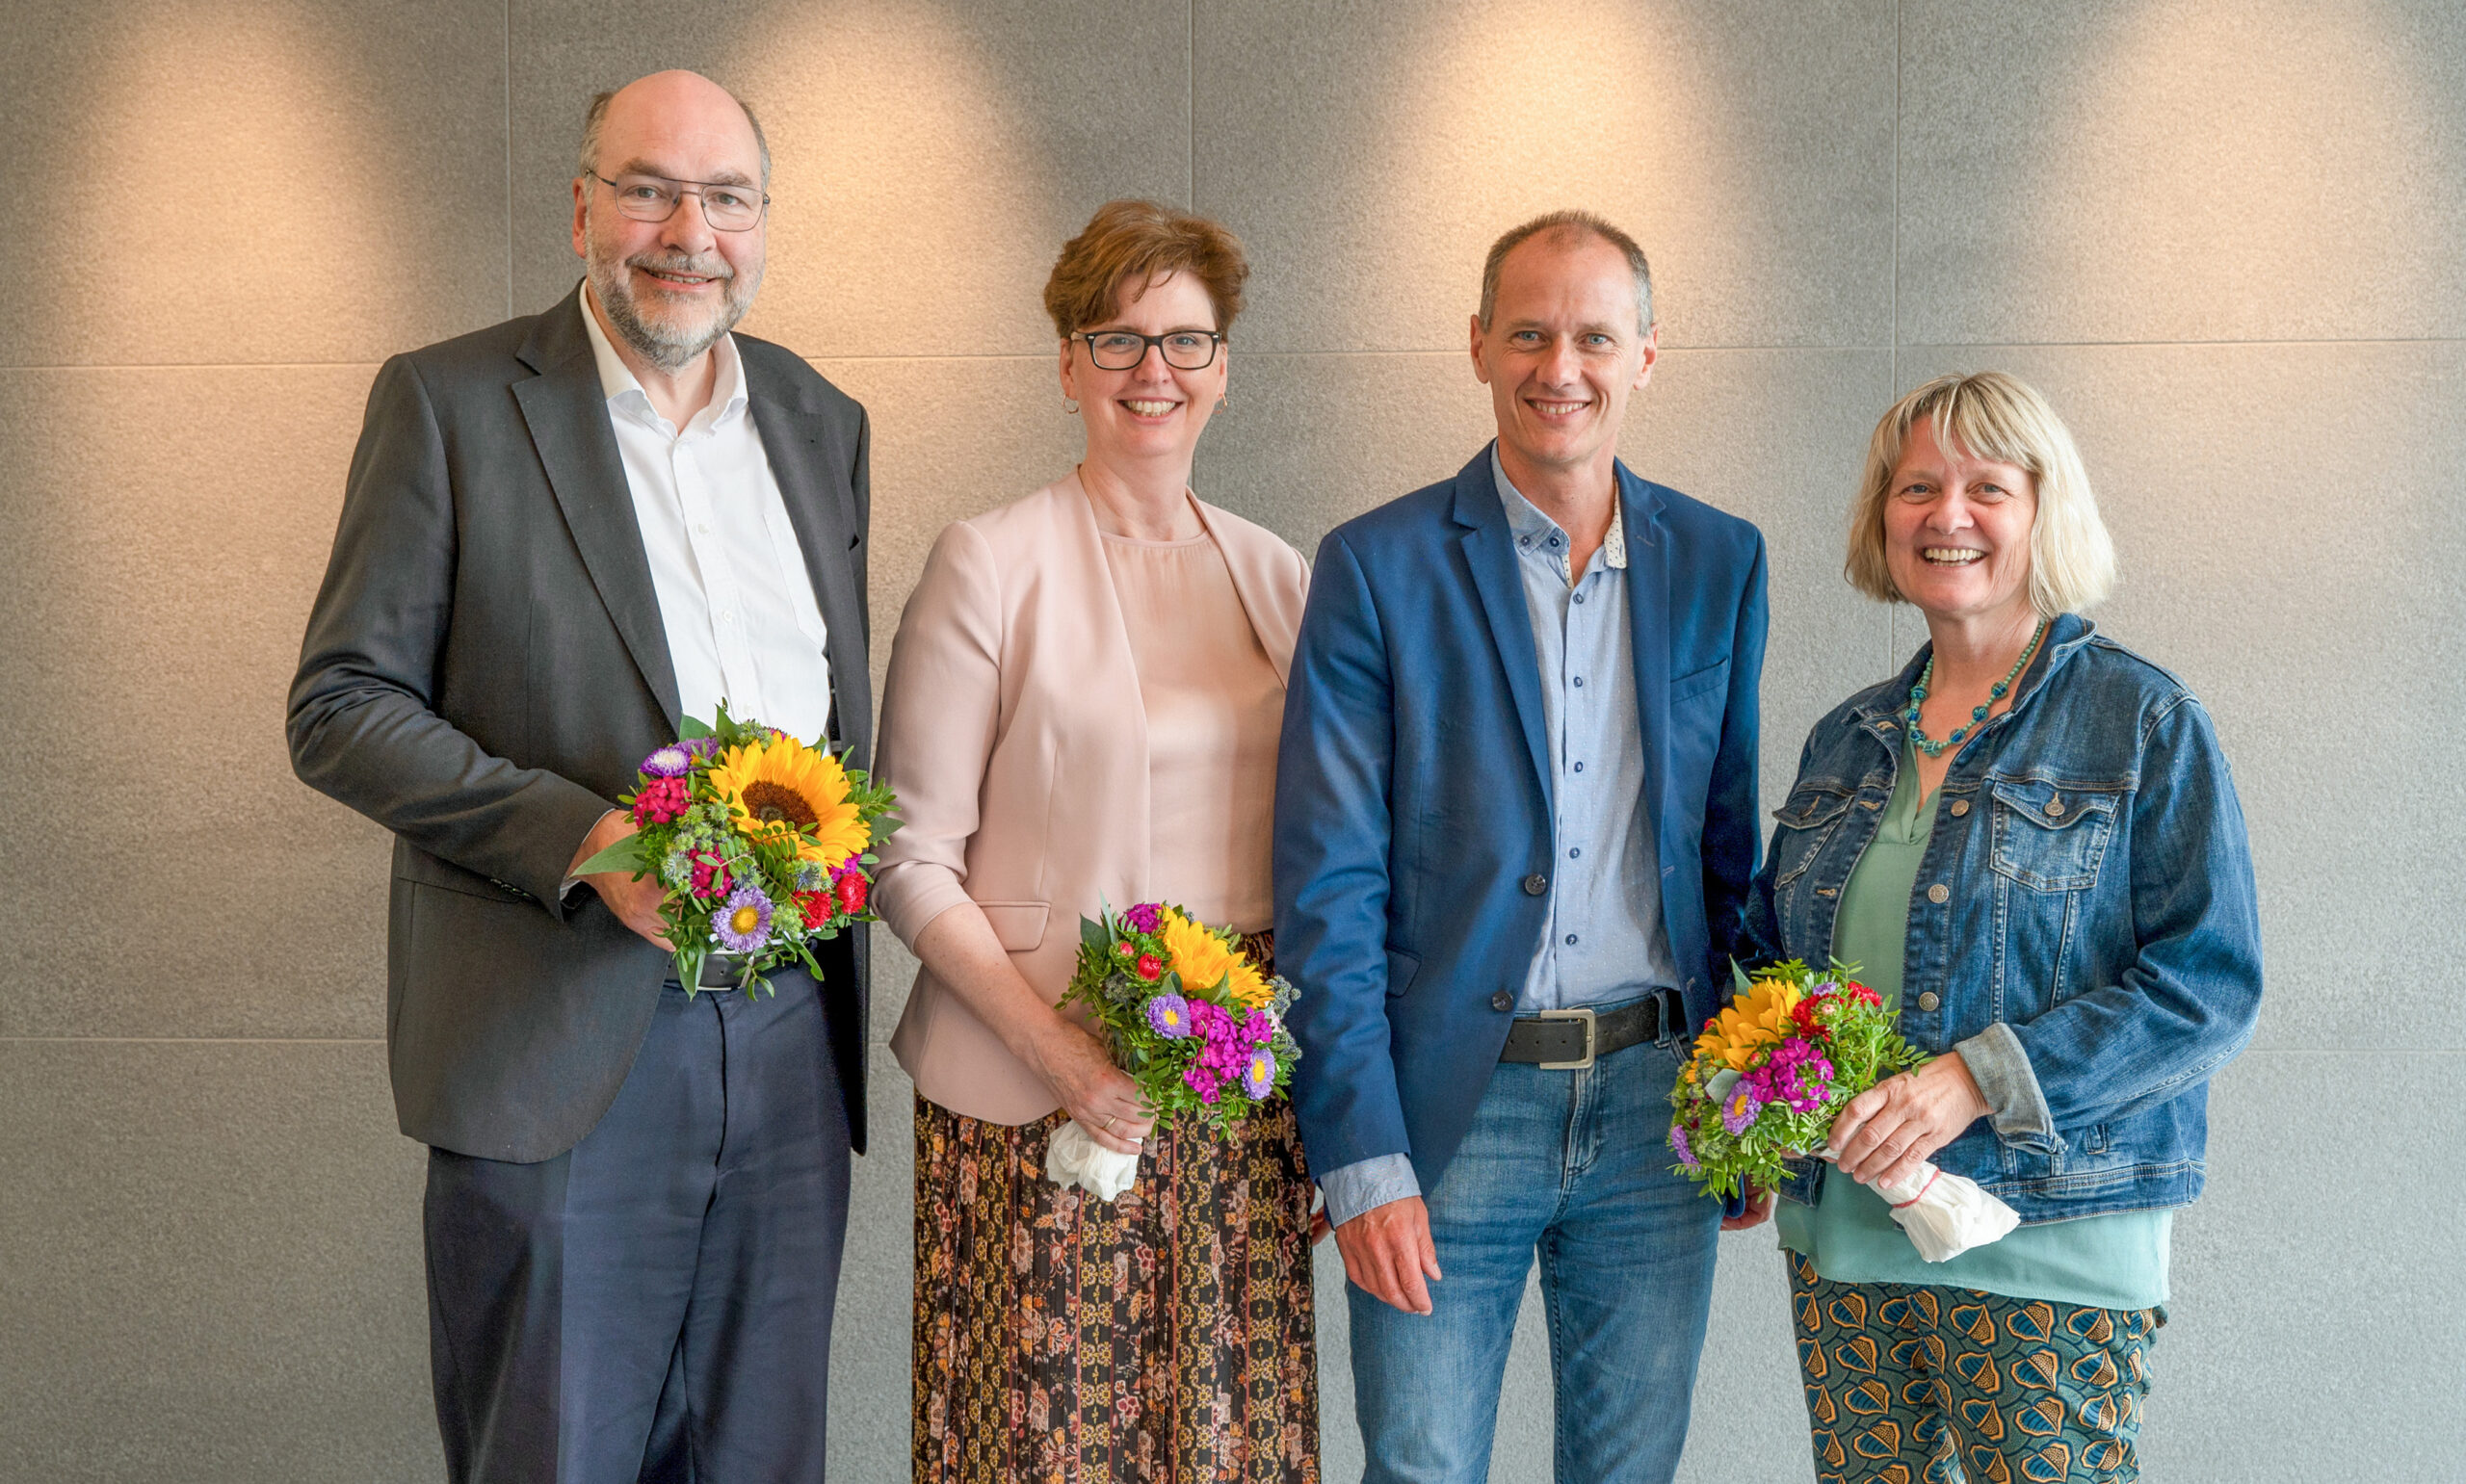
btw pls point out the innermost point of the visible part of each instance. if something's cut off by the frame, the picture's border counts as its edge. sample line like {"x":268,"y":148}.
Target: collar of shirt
{"x":625,"y":395}
{"x":1530,"y":527}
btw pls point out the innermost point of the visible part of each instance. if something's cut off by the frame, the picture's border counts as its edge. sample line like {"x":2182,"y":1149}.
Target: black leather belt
{"x":1568,"y":1040}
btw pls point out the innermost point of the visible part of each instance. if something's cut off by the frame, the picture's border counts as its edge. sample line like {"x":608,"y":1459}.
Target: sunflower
{"x":783,"y":787}
{"x":1753,"y":1021}
{"x":1205,"y":961}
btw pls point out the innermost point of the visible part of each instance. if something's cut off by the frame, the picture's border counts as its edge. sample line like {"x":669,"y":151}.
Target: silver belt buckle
{"x":1591,"y":1034}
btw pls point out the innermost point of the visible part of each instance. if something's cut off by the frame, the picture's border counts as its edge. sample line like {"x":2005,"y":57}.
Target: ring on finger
{"x":1110,"y":1120}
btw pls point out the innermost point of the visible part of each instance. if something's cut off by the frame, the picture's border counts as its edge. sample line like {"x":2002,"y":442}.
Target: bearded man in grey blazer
{"x":560,"y":536}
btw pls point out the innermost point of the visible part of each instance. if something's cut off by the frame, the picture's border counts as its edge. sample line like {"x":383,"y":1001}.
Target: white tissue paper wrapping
{"x":1946,"y":1214}
{"x":1072,"y":1157}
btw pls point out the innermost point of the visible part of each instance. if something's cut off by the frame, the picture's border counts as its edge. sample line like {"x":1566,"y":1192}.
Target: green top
{"x":2110,"y":1262}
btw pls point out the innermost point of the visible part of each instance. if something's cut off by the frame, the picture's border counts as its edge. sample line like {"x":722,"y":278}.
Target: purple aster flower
{"x":669,"y":761}
{"x":743,"y":922}
{"x":1678,"y":1142}
{"x":1169,"y":1016}
{"x":1820,"y":988}
{"x":1738,"y":1114}
{"x":1147,"y":917}
{"x":701,"y":747}
{"x":1258,"y":1078}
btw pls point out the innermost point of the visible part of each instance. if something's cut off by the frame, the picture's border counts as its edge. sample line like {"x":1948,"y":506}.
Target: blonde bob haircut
{"x":1990,"y":415}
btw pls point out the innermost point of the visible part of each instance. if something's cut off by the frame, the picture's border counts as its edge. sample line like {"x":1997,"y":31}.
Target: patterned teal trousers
{"x":1951,"y":1386}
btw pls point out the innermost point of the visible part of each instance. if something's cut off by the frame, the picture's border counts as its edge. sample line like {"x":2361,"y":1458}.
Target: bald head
{"x":675,"y":108}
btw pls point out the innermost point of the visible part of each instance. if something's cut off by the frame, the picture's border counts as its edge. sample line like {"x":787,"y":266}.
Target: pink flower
{"x":661,"y":801}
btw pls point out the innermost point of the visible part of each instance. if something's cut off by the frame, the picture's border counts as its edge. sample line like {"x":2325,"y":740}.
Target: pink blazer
{"x":1013,"y":731}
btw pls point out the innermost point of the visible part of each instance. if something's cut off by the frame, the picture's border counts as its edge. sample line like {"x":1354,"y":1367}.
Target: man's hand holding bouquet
{"x":761,"y":842}
{"x":1771,"y":1075}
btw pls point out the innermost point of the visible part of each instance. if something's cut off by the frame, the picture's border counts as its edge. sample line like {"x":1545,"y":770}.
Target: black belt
{"x":1568,"y":1040}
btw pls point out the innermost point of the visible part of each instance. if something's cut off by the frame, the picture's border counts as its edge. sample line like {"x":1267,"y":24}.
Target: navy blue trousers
{"x":655,"y":1302}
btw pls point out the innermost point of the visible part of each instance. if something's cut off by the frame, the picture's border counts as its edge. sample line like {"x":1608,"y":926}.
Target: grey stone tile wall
{"x":2226,"y":238}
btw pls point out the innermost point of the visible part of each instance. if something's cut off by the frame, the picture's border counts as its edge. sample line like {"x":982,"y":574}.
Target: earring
{"x":1222,"y":403}
{"x":1070,"y":405}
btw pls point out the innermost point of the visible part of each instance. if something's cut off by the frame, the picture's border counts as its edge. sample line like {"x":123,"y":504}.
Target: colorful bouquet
{"x":761,"y":841}
{"x":1775,"y":1068}
{"x":1191,"y":1020}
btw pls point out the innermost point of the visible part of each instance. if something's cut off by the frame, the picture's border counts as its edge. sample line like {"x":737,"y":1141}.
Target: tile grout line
{"x":1892,"y":612}
{"x":508,"y":159}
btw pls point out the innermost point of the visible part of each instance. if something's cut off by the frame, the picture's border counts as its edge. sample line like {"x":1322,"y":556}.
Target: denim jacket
{"x":2085,"y":930}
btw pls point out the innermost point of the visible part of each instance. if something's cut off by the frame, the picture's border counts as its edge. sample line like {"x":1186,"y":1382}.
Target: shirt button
{"x":1579,"y":767}
{"x":1536,"y":884}
{"x":1575,"y":852}
{"x":1930,"y":1000}
{"x":705,"y":528}
{"x":1579,"y":682}
{"x":1960,"y":806}
{"x":1579,"y":597}
{"x":1571,"y":940}
{"x":1939,"y":893}
{"x":1524,"y":542}
{"x":1501,"y":1001}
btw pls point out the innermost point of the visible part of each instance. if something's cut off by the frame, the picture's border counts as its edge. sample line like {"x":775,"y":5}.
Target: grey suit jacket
{"x":484,"y":666}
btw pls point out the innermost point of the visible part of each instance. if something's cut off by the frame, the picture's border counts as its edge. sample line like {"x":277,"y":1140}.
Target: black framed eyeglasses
{"x":655,"y":198}
{"x":1183,"y":350}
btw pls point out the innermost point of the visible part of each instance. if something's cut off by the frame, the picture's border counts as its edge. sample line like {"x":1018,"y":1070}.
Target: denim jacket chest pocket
{"x":1808,"y":821}
{"x":2050,"y":837}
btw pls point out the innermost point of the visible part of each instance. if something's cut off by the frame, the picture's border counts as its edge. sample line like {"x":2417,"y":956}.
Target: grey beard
{"x":669,"y":348}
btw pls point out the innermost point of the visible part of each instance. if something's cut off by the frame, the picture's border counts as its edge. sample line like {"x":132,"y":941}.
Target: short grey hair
{"x":595,"y":118}
{"x":1574,"y":224}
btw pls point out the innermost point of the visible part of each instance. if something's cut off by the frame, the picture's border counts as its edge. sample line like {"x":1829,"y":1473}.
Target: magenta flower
{"x":1147,"y":917}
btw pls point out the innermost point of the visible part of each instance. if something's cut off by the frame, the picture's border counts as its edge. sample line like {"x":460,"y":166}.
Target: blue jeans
{"x":1573,"y":1165}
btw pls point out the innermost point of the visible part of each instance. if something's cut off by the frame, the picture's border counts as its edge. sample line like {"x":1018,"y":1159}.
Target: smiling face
{"x":1563,"y":350}
{"x":672,"y":288}
{"x":1956,"y":530}
{"x":1151,"y":411}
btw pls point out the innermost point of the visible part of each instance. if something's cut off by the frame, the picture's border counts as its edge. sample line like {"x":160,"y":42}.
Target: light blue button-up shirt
{"x":1603,"y":941}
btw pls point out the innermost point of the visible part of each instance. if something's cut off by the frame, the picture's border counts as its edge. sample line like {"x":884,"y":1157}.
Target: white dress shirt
{"x":734,"y":595}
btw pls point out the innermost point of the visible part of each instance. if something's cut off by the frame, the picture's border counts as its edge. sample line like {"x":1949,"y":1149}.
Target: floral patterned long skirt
{"x":1165,"y":1336}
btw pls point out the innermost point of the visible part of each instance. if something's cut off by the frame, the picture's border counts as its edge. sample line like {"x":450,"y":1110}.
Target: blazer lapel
{"x":1490,"y":550}
{"x":1649,"y":626}
{"x":1250,"y":562}
{"x":567,"y":416}
{"x":808,"y":459}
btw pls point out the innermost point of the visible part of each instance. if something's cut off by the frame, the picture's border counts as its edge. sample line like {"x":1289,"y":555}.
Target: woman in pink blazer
{"x":1083,"y":709}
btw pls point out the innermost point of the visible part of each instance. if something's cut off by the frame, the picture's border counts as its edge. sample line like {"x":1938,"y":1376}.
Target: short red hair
{"x":1133,"y":241}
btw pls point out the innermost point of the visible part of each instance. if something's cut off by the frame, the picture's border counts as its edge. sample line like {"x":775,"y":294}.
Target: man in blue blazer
{"x":1515,"y":824}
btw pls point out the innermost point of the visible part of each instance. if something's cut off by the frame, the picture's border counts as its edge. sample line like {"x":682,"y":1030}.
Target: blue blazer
{"x":1413,"y":795}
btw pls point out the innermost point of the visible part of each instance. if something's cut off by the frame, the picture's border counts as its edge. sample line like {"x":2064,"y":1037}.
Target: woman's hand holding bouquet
{"x":1189,"y":1018}
{"x":1773,"y":1074}
{"x":761,"y":842}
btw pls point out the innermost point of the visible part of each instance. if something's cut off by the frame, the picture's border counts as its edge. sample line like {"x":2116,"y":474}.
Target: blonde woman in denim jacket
{"x":2029,"y":840}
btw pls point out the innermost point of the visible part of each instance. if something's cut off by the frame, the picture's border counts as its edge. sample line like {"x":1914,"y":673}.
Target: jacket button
{"x":1939,"y":894}
{"x":1960,"y":806}
{"x":1501,"y":1001}
{"x":1930,"y":1000}
{"x":2054,"y":807}
{"x":1536,"y":884}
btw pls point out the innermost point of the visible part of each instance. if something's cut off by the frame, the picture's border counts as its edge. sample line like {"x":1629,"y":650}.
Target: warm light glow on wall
{"x":897,"y":141}
{"x":2259,"y":160}
{"x":234,"y":196}
{"x":1498,"y":113}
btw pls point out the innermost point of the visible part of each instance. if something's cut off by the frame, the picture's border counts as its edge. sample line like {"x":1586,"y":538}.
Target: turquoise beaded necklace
{"x":1976,"y":714}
